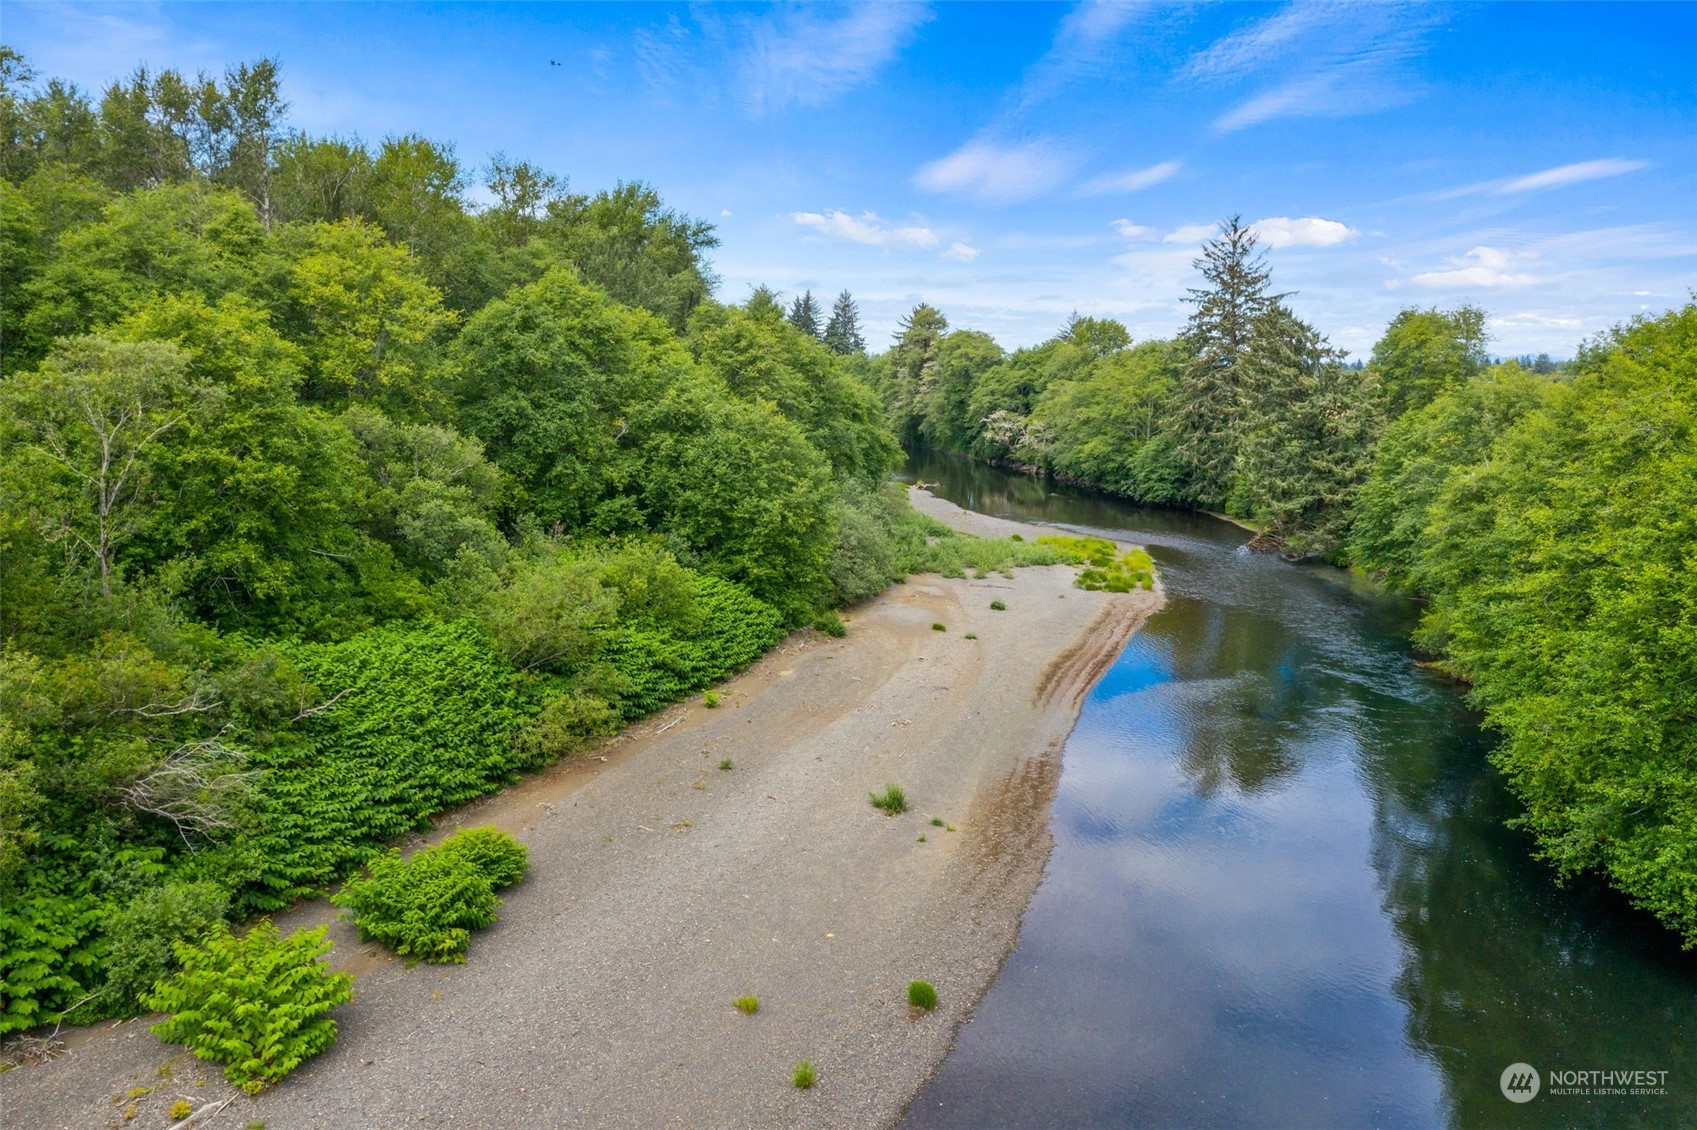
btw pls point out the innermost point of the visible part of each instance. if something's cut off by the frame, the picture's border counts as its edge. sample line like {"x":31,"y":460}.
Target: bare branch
{"x":323,"y":706}
{"x":197,"y":788}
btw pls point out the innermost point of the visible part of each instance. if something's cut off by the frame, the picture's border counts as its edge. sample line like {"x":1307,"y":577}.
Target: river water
{"x":1282,"y":891}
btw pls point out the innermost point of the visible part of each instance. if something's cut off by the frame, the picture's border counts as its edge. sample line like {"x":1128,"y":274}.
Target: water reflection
{"x":1282,"y":892}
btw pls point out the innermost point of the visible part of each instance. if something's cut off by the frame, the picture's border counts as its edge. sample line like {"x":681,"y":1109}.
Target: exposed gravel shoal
{"x":662,"y":887}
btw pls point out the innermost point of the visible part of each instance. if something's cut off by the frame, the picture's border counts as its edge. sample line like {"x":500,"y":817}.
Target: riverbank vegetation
{"x":1547,"y":513}
{"x":330,"y":500}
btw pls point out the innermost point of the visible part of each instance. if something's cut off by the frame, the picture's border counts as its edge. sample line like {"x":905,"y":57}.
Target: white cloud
{"x":1480,"y":267}
{"x":867,"y":228}
{"x":1131,"y":230}
{"x":1564,"y":175}
{"x":724,"y":212}
{"x":1247,"y":50}
{"x":1309,"y":231}
{"x":1190,"y":233}
{"x":806,"y":58}
{"x":1134,"y":181}
{"x":961,"y":252}
{"x":997,"y":174}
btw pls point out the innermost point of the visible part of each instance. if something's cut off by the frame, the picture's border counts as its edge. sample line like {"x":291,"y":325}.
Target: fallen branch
{"x":202,"y":1114}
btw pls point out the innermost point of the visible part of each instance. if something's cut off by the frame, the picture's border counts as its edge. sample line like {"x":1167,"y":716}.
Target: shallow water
{"x":1282,"y":891}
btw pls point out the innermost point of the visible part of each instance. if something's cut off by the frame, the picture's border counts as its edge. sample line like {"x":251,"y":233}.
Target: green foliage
{"x":140,"y":935}
{"x":922,"y":994}
{"x":726,"y":764}
{"x":830,"y":624}
{"x":748,"y":1006}
{"x":1426,"y":353}
{"x":892,"y":800}
{"x":936,"y":821}
{"x":502,"y":859}
{"x":424,"y":908}
{"x":998,"y":606}
{"x":710,"y":699}
{"x":258,"y":1003}
{"x":804,"y":1076}
{"x":939,"y":627}
{"x":48,"y":959}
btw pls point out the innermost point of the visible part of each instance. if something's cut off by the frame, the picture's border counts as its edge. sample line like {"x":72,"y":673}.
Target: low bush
{"x":831,"y":625}
{"x":922,"y":994}
{"x":892,"y":800}
{"x":804,"y":1076}
{"x":259,"y":1004}
{"x":502,"y":859}
{"x":710,"y":699}
{"x":998,"y":606}
{"x":139,"y":936}
{"x":423,"y":908}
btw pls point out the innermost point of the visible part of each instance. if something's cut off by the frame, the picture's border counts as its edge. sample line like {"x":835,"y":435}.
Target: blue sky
{"x":1012,"y":163}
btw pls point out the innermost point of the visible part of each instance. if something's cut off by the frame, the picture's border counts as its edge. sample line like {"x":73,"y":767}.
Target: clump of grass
{"x":922,"y":837}
{"x":939,"y":628}
{"x":748,"y":1006}
{"x":1106,"y":569}
{"x":892,"y":800}
{"x":181,"y":1109}
{"x":804,"y":1075}
{"x":936,"y":821}
{"x":710,"y":699}
{"x":970,"y":636}
{"x":726,"y":764}
{"x":922,"y":994}
{"x":998,"y":606}
{"x":831,"y":625}
{"x":1015,"y":537}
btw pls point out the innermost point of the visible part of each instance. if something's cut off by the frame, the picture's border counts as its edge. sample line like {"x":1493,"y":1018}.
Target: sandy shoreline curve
{"x":663,"y":887}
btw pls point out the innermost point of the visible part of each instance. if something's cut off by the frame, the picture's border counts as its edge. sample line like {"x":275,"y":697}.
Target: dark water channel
{"x":1282,"y":892}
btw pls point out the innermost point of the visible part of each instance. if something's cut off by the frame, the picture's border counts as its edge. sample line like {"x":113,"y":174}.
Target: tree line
{"x":1546,"y":513}
{"x":329,"y":501}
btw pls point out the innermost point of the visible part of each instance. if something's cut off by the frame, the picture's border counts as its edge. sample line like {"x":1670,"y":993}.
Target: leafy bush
{"x":48,"y":957}
{"x":139,"y":936}
{"x":652,"y":666}
{"x":423,"y":908}
{"x":922,"y":994}
{"x":831,"y":625}
{"x":502,"y":859}
{"x":892,"y":800}
{"x":710,"y":699}
{"x":939,"y":627}
{"x":258,"y":1004}
{"x":998,"y":606}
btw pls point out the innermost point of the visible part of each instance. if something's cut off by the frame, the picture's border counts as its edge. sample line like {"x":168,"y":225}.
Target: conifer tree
{"x":842,"y":332}
{"x":804,"y":314}
{"x":1217,"y":337}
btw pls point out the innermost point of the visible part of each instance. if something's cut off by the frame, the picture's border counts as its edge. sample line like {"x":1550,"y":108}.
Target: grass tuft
{"x":748,"y":1006}
{"x":970,"y":636}
{"x":936,"y":821}
{"x":726,"y":764}
{"x":998,"y":606}
{"x":892,"y":800}
{"x":922,"y":994}
{"x":710,"y":699}
{"x":804,"y":1076}
{"x":938,"y":628}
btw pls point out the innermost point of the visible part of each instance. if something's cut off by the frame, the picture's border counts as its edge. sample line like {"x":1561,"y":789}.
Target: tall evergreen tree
{"x":804,"y":314}
{"x":911,"y":374}
{"x":1216,"y":339}
{"x":842,"y":332}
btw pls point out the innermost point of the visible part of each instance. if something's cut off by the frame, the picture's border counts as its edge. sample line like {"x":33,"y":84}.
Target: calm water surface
{"x":1282,"y":893}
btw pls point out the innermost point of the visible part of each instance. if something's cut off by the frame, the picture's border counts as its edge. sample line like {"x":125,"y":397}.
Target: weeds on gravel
{"x":710,"y":699}
{"x":971,"y":635}
{"x":180,"y":1110}
{"x":922,"y":837}
{"x":937,"y":821}
{"x":922,"y":994}
{"x":726,"y":764}
{"x":939,"y":628}
{"x":998,"y":606}
{"x":892,"y":800}
{"x":748,"y":1006}
{"x":804,"y":1076}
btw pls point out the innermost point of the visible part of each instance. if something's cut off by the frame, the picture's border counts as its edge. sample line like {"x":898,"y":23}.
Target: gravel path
{"x":663,"y":887}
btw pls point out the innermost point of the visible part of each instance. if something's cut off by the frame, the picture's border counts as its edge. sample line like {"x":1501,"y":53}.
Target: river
{"x":1283,"y":892}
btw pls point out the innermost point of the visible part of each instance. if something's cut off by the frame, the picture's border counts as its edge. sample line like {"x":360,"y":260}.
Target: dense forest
{"x":1547,"y":514}
{"x":330,"y":500}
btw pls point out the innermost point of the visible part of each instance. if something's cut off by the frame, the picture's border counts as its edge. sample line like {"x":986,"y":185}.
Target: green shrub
{"x":502,"y":859}
{"x":48,"y":957}
{"x":922,"y":994}
{"x":423,"y":908}
{"x":748,"y":1006}
{"x":1107,"y":570}
{"x":726,"y":764}
{"x":970,"y":636}
{"x":258,"y":1004}
{"x":567,"y":721}
{"x":892,"y":800}
{"x":804,"y":1075}
{"x":139,"y":936}
{"x":998,"y":606}
{"x":710,"y":699}
{"x":831,"y":625}
{"x":939,"y":628}
{"x":937,"y":821}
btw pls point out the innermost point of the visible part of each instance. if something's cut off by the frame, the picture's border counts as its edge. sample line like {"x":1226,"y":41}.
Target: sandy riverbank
{"x":663,"y":887}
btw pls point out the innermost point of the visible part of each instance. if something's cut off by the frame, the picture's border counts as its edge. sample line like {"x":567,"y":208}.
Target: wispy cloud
{"x":1190,"y":233}
{"x":1315,"y":60}
{"x":1136,"y":180}
{"x":961,"y":252}
{"x":1559,"y":177}
{"x":807,"y":57}
{"x":1083,"y":48}
{"x":998,"y":174}
{"x":1481,"y":267}
{"x":1309,"y":231}
{"x":867,"y":228}
{"x":1132,"y":231}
